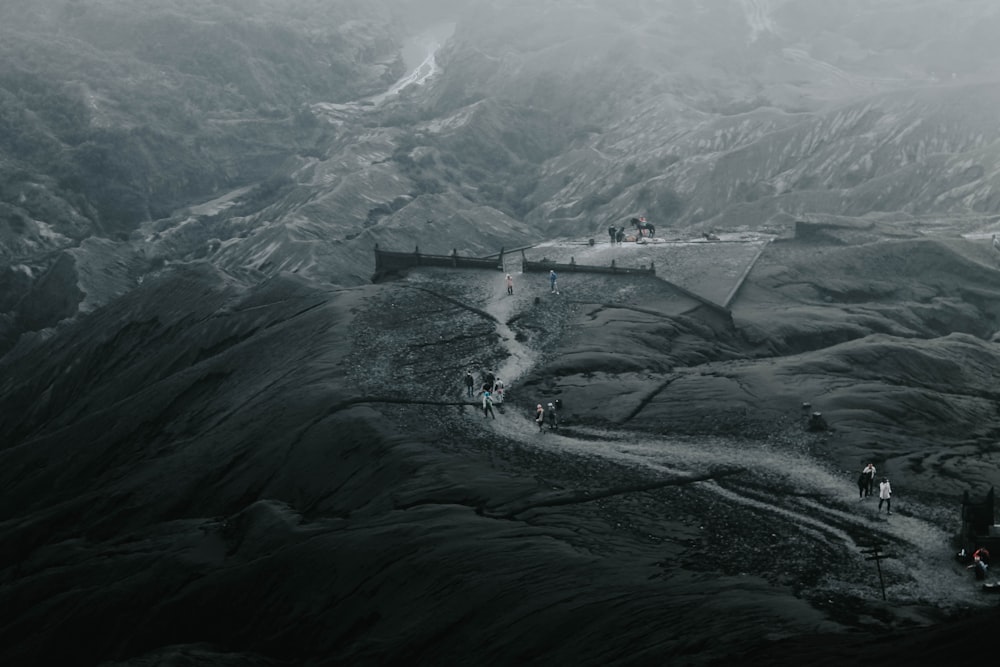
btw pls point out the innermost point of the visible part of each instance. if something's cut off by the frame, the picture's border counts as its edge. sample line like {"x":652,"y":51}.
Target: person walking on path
{"x":980,"y":562}
{"x":540,"y":417}
{"x":613,"y":233}
{"x":469,"y":383}
{"x":510,"y":284}
{"x":552,"y":281}
{"x":553,"y":417}
{"x":885,"y":495}
{"x":488,"y":405}
{"x":866,"y":482}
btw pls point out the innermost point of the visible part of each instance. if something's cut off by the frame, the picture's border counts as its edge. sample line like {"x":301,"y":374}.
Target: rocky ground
{"x":293,"y":474}
{"x":718,"y":477}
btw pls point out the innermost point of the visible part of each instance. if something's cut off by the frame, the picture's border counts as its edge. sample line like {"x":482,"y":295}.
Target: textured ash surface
{"x":292,"y":473}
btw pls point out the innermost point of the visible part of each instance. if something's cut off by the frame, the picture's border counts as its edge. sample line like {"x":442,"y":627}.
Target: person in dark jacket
{"x":469,"y":383}
{"x":489,"y":379}
{"x":553,"y":417}
{"x":866,"y":482}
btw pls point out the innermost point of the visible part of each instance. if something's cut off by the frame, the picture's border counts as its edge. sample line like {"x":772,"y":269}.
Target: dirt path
{"x":521,"y":358}
{"x":777,"y":481}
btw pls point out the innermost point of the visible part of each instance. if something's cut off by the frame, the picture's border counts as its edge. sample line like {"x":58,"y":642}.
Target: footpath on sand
{"x":815,"y":498}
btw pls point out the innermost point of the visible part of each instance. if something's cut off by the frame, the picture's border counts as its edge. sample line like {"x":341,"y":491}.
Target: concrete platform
{"x":711,"y":269}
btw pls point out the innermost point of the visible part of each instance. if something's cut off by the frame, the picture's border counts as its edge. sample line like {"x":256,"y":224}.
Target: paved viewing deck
{"x":713,"y":270}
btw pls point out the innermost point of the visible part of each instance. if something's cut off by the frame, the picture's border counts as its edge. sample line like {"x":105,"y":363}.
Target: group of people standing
{"x":547,"y":415}
{"x":617,"y":234}
{"x":492,"y":391}
{"x":866,"y":485}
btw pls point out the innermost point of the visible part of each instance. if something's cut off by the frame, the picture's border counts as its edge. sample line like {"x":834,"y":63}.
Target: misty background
{"x":120,"y":121}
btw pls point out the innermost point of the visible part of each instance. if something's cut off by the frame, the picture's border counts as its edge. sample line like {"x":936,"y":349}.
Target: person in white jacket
{"x":885,"y":495}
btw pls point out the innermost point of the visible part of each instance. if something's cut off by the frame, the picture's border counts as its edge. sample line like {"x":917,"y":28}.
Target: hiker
{"x":553,"y":417}
{"x":613,"y":233}
{"x":540,"y":417}
{"x":488,"y":405}
{"x":552,"y":281}
{"x":981,"y":562}
{"x":885,"y":495}
{"x":498,"y":390}
{"x":866,"y":481}
{"x":620,"y":236}
{"x":489,"y":379}
{"x":469,"y":382}
{"x":510,"y":284}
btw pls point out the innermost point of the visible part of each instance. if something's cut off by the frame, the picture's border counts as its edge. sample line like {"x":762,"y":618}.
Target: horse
{"x":641,"y":226}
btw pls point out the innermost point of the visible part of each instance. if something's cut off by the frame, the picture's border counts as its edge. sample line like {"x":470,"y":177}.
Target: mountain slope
{"x":754,"y":113}
{"x":285,"y":472}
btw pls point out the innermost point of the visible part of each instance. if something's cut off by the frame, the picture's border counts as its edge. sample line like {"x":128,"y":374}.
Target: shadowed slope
{"x":204,"y":469}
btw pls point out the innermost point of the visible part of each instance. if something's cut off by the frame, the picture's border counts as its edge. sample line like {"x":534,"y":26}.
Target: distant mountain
{"x":112,"y":115}
{"x":265,"y":139}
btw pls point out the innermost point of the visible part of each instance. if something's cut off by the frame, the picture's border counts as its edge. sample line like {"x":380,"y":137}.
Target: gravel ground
{"x":772,"y":506}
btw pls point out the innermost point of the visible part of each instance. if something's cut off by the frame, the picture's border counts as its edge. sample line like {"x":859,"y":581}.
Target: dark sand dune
{"x":203,"y":472}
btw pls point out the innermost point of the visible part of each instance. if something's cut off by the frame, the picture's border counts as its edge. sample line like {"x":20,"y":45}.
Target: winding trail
{"x":520,"y":358}
{"x":821,"y":502}
{"x":427,"y":44}
{"x":417,"y":77}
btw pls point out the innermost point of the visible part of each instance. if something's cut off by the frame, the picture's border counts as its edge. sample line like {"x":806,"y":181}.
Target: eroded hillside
{"x":287,"y":472}
{"x":294,"y":128}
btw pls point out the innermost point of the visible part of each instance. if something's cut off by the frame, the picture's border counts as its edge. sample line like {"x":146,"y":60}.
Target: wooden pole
{"x":873,"y":554}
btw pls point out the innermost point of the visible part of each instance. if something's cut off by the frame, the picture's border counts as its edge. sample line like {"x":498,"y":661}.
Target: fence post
{"x":872,"y":553}
{"x":613,"y":269}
